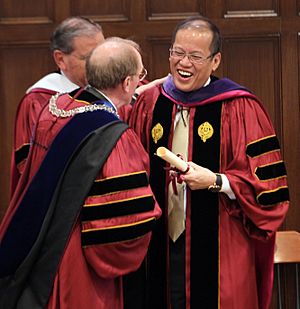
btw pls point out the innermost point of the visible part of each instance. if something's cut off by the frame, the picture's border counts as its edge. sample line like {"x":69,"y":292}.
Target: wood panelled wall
{"x":260,"y":50}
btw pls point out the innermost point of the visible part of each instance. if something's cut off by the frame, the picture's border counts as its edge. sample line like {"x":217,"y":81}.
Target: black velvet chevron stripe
{"x":271,"y":171}
{"x":122,"y":183}
{"x":22,"y":153}
{"x":262,"y":146}
{"x":119,"y":208}
{"x":204,"y":281}
{"x":157,"y":259}
{"x":273,"y":197}
{"x":109,"y":235}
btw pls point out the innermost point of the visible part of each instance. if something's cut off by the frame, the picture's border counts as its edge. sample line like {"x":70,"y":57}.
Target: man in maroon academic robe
{"x":236,"y":193}
{"x":79,"y":225}
{"x":71,"y":43}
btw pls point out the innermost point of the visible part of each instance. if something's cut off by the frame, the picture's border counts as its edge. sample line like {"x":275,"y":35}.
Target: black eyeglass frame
{"x":182,"y":54}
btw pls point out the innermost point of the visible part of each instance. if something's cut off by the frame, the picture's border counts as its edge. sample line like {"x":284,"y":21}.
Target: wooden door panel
{"x":253,"y":5}
{"x":114,"y":8}
{"x":290,"y":69}
{"x":21,"y":9}
{"x":159,"y":54}
{"x":173,"y":9}
{"x":254,"y":63}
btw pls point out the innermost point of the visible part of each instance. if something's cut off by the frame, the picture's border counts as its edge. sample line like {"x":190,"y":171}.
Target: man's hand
{"x":198,"y":177}
{"x":151,"y":84}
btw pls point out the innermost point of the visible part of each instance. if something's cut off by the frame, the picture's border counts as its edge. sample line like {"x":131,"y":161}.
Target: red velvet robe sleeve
{"x":91,"y":276}
{"x":118,"y":258}
{"x":245,"y":121}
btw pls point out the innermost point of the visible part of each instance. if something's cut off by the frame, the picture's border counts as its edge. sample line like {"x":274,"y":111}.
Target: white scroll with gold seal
{"x":172,"y":158}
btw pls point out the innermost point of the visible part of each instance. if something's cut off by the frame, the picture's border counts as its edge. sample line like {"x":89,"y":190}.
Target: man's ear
{"x":59,"y":58}
{"x":216,"y":61}
{"x":126,"y":84}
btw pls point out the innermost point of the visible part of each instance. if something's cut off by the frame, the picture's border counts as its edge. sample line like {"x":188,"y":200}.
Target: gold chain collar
{"x":54,"y":110}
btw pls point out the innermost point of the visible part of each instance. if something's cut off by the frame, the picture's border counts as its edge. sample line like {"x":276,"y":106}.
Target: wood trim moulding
{"x":170,"y":16}
{"x":155,"y":40}
{"x":250,"y":14}
{"x":25,"y":20}
{"x":24,"y":44}
{"x":108,"y":18}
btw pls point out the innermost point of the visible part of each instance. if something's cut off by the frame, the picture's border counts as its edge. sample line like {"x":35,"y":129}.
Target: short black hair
{"x":200,"y":21}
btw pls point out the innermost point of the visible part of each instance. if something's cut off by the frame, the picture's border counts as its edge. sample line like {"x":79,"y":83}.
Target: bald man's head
{"x":111,"y":62}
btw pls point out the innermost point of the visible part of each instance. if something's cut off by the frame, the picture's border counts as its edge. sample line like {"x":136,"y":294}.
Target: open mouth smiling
{"x":184,"y":74}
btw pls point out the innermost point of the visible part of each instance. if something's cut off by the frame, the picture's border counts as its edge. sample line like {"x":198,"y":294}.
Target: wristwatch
{"x":217,"y":186}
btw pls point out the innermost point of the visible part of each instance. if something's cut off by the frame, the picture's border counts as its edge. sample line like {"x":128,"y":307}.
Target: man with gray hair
{"x":85,"y":195}
{"x":70,"y":44}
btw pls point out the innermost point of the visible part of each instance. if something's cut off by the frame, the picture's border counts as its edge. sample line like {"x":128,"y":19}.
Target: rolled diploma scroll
{"x":170,"y":157}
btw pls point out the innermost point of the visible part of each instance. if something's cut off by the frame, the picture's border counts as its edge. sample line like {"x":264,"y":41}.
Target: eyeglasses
{"x":143,"y":74}
{"x":79,"y":56}
{"x":193,"y":58}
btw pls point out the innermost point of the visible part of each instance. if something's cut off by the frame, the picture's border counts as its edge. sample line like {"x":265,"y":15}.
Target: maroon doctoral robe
{"x":229,"y":244}
{"x":110,"y":237}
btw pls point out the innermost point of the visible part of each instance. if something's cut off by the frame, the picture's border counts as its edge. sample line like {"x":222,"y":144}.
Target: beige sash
{"x":176,"y":218}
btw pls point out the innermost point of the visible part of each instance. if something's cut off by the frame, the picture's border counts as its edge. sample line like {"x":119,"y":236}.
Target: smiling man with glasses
{"x":220,"y":217}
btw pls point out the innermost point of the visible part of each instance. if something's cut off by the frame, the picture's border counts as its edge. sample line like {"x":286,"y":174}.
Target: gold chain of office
{"x":54,"y":110}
